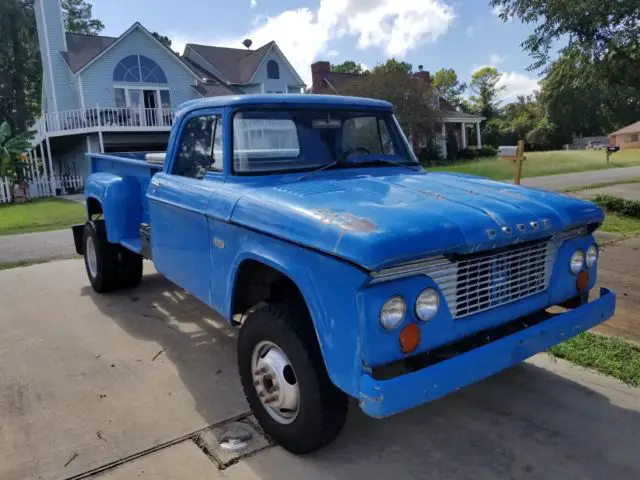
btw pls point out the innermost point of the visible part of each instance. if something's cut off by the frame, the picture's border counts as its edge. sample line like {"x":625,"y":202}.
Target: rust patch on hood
{"x":345,"y":221}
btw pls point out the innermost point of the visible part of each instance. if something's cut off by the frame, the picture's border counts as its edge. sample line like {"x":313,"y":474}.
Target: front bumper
{"x":381,"y":398}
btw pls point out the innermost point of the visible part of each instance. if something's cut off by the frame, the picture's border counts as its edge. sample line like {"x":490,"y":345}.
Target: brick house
{"x":447,"y":118}
{"x":627,"y":137}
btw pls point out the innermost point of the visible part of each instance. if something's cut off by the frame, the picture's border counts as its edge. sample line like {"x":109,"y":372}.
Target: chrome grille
{"x":481,"y":281}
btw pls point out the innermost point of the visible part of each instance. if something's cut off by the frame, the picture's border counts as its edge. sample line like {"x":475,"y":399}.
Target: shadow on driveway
{"x":527,"y":422}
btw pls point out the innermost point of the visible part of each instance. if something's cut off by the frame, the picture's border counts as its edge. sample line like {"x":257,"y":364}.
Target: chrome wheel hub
{"x":91,"y":256}
{"x":275,"y":382}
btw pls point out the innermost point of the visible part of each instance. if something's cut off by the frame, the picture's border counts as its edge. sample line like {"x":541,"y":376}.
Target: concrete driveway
{"x":129,"y":381}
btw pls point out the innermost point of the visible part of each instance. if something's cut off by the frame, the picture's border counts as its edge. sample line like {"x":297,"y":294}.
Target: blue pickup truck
{"x":351,"y":271}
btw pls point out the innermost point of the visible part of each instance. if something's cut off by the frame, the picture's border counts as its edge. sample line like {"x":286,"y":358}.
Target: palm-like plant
{"x":11,"y":147}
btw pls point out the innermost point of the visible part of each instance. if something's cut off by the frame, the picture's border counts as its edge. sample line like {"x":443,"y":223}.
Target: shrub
{"x":452,"y":146}
{"x":628,"y":208}
{"x":432,"y":153}
{"x":467,"y":154}
{"x":487,"y":151}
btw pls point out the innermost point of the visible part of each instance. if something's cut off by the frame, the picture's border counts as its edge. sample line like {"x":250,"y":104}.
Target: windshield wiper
{"x":367,"y":163}
{"x":335,"y":163}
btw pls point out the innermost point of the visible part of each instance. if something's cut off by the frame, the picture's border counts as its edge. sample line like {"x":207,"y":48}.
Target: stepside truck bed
{"x":127,"y":177}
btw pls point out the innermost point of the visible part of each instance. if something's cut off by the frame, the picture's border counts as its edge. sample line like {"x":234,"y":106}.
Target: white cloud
{"x":364,"y":66}
{"x":496,"y":59}
{"x":332,"y":53}
{"x":391,"y":26}
{"x":516,"y":84}
{"x":470,"y":31}
{"x":254,"y":3}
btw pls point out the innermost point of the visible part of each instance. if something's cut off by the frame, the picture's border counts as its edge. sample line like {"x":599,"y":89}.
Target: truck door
{"x":178,"y":200}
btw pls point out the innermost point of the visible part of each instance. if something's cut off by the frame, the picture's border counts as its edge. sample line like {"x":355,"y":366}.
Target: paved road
{"x":86,"y":380}
{"x":572,"y":180}
{"x":36,"y":246}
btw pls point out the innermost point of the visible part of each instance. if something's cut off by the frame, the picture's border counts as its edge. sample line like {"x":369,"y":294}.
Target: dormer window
{"x":273,"y":70}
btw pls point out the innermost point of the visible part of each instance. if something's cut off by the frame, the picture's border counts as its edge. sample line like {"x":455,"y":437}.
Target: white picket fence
{"x":42,"y":187}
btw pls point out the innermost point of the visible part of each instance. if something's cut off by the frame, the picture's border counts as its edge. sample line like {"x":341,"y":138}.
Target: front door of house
{"x":151,"y":107}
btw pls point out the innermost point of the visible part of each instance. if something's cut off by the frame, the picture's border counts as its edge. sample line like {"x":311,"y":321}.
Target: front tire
{"x":285,"y":380}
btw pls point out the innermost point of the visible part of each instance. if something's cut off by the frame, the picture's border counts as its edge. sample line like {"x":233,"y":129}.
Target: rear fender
{"x":119,"y":198}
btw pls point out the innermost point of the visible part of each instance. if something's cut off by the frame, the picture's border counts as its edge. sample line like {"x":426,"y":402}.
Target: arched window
{"x":138,"y":69}
{"x":273,"y":71}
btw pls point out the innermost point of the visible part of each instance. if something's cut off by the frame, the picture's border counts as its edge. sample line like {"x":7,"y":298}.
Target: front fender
{"x":119,"y":198}
{"x":329,"y":287}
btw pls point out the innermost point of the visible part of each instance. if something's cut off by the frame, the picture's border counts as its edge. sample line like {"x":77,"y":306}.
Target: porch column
{"x":44,"y":163}
{"x":101,"y":141}
{"x":464,"y":135}
{"x":52,"y":178}
{"x":444,"y":140}
{"x":478,"y":135}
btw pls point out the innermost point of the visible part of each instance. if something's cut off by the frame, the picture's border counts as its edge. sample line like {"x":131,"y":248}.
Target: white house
{"x":107,"y":94}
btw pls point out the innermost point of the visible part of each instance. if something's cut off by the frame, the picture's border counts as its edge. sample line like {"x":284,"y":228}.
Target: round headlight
{"x":392,"y":312}
{"x":577,"y":262}
{"x":427,"y":304}
{"x":592,"y":255}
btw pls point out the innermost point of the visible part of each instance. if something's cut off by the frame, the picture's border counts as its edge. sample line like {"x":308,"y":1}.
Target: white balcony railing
{"x":98,"y":118}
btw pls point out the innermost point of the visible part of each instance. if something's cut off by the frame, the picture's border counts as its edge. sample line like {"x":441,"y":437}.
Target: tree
{"x":446,"y":82}
{"x":484,"y":85}
{"x":163,"y":38}
{"x":604,"y":32}
{"x":78,"y":17}
{"x":393,"y":66}
{"x":541,"y":136}
{"x":413,"y":100}
{"x":11,"y":147}
{"x":348,"y":66}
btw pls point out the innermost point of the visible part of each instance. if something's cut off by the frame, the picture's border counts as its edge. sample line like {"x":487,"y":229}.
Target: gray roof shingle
{"x":235,"y":64}
{"x":81,"y":49}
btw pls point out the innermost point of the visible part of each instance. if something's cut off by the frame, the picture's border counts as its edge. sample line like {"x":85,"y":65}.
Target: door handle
{"x":155,"y":183}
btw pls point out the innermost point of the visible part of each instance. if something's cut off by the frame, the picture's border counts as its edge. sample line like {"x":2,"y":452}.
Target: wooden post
{"x":519,"y":158}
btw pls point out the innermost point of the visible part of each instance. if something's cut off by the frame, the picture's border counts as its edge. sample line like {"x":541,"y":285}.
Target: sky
{"x":459,"y":34}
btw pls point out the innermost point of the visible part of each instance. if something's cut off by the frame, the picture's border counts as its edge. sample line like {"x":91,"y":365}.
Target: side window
{"x":385,"y":139}
{"x":200,"y":148}
{"x":367,"y":133}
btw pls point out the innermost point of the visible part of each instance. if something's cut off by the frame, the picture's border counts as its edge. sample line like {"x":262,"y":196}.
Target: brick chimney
{"x":424,"y":75}
{"x":319,"y":71}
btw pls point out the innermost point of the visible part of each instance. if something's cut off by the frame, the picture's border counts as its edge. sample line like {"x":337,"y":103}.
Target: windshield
{"x":301,"y":140}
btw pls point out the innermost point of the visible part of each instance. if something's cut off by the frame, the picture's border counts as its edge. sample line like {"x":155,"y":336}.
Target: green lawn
{"x":621,"y":224}
{"x":40,"y":215}
{"x":545,"y":163}
{"x":608,"y":355}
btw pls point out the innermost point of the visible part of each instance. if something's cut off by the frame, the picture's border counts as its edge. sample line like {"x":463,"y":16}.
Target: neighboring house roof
{"x":214,"y":90}
{"x":81,"y":49}
{"x":237,"y":65}
{"x":633,"y":128}
{"x":337,"y":80}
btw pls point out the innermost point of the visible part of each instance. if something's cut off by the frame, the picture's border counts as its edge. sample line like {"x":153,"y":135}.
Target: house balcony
{"x":97,"y":119}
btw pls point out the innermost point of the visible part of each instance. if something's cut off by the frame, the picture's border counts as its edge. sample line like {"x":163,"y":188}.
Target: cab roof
{"x":284,"y":100}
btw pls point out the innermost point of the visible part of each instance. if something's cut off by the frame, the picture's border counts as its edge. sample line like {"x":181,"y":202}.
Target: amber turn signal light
{"x":582,"y":281}
{"x":410,"y":338}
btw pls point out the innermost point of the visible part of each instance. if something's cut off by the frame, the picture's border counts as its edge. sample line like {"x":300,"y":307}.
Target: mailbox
{"x":508,"y":151}
{"x":613,"y":148}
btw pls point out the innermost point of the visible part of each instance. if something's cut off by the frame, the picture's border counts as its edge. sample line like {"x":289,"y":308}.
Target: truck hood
{"x":381,"y":219}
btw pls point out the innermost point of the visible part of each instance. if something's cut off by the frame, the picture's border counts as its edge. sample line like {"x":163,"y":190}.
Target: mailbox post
{"x":611,"y":149}
{"x":516,"y":155}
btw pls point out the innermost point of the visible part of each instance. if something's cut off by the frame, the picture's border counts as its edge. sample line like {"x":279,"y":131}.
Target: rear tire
{"x":100,"y":257}
{"x":292,"y":357}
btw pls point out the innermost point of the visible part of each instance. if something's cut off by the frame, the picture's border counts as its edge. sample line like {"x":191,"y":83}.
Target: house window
{"x":273,"y":70}
{"x":634,"y":137}
{"x":138,"y":69}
